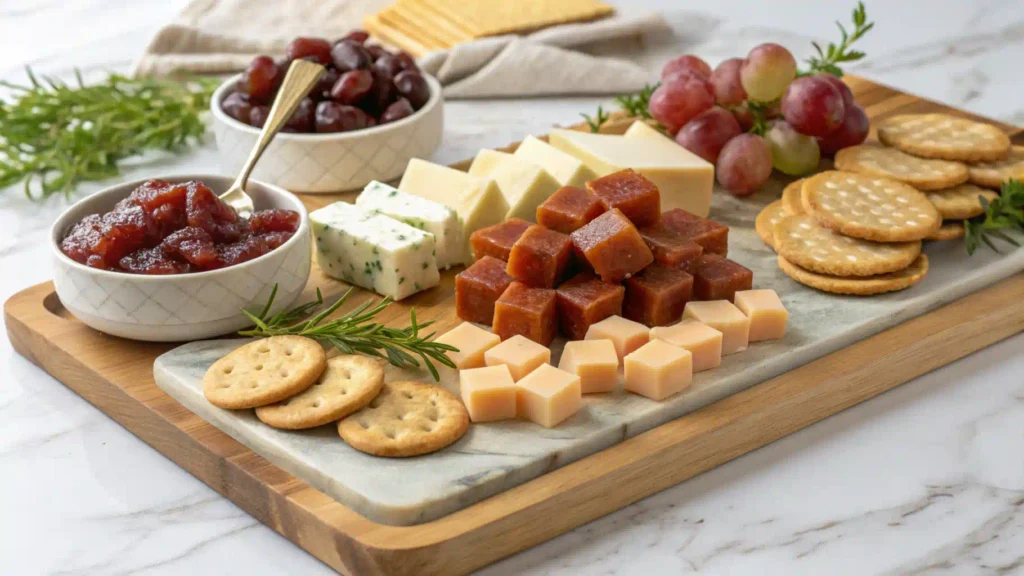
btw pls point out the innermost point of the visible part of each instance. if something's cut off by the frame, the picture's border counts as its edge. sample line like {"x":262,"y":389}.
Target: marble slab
{"x":492,"y":458}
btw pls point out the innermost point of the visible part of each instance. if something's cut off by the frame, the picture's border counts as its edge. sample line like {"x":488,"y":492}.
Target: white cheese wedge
{"x":477,"y":201}
{"x":564,"y":167}
{"x":431,"y":217}
{"x":373,"y":251}
{"x":684,"y":179}
{"x":523,"y":184}
{"x":641,"y":129}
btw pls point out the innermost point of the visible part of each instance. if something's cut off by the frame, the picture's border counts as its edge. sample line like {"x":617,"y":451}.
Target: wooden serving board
{"x":116,"y":376}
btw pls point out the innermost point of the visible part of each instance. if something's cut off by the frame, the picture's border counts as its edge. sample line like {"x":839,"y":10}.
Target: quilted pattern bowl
{"x":330,"y":162}
{"x":183,"y":306}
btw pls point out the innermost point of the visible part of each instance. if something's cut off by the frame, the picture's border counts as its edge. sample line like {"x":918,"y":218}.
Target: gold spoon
{"x":301,"y":77}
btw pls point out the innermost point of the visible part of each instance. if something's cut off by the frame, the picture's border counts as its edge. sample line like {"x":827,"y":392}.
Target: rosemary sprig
{"x":828,"y":60}
{"x":596,"y":121}
{"x":1001,"y":214}
{"x":637,"y":105}
{"x":54,"y":135}
{"x":354,"y":332}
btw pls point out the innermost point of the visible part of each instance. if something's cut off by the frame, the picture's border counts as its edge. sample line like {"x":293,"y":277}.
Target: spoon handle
{"x":301,"y":77}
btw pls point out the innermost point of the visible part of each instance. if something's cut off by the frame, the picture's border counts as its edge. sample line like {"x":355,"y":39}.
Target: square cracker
{"x":413,"y":28}
{"x":394,"y":37}
{"x":492,"y":18}
{"x":427,"y":16}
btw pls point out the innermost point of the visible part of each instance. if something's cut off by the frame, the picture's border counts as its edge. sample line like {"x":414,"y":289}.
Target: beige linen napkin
{"x":222,"y":36}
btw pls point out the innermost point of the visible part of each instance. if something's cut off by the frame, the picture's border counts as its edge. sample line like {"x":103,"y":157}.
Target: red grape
{"x":375,"y":51}
{"x":851,"y":132}
{"x":317,"y":48}
{"x":744,"y":165}
{"x":677,"y":101}
{"x":334,"y":117}
{"x":348,"y":55}
{"x":813,"y":106}
{"x":390,"y":64}
{"x":352,"y":86}
{"x":237,"y":106}
{"x":396,"y":111}
{"x":839,"y":85}
{"x":767,"y":71}
{"x":302,"y":119}
{"x":324,"y":85}
{"x":793,"y":153}
{"x":258,"y":116}
{"x":357,"y":36}
{"x":260,"y":79}
{"x":691,"y":75}
{"x":414,"y":87}
{"x":708,"y":132}
{"x":686,"y":62}
{"x":744,"y":116}
{"x":725,"y":83}
{"x":408,"y":62}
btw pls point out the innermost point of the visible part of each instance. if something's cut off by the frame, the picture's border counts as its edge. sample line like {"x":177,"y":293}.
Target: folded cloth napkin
{"x":222,"y":36}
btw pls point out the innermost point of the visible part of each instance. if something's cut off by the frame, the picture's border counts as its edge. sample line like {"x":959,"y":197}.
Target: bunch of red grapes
{"x":364,"y":85}
{"x":711,"y":112}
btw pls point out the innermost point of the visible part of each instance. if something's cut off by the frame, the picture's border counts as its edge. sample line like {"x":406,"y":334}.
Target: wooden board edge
{"x":589,"y":488}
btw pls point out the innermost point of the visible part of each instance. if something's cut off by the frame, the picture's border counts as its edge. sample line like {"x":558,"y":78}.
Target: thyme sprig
{"x":1001,"y":214}
{"x":55,"y":135}
{"x":354,"y":332}
{"x":595,"y":122}
{"x":828,"y":60}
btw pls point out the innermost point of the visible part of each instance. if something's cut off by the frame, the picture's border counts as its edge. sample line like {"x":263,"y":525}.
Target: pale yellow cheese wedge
{"x":524,"y":185}
{"x":564,"y":167}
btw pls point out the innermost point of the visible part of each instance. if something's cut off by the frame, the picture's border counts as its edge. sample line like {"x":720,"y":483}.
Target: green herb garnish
{"x":54,"y":136}
{"x":596,"y":122}
{"x":637,"y":104}
{"x":354,"y":332}
{"x":828,"y":60}
{"x":1001,"y":214}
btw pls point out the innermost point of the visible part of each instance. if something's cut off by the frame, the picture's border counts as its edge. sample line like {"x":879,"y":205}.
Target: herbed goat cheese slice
{"x":427,"y":215}
{"x":373,"y":251}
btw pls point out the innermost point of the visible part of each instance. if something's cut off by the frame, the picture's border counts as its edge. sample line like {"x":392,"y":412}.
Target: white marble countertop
{"x":927,"y":478}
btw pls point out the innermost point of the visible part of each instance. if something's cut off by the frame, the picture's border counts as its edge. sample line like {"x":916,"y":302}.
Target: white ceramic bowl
{"x":182,"y":306}
{"x":330,"y":162}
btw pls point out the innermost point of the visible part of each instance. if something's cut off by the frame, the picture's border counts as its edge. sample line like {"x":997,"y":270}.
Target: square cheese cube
{"x":658,"y":370}
{"x":427,"y":215}
{"x":520,"y":354}
{"x":477,"y":201}
{"x":703,"y":342}
{"x":594,"y":361}
{"x":684,"y":179}
{"x":497,"y":241}
{"x":524,"y":185}
{"x":373,"y":251}
{"x":626,"y":335}
{"x":488,"y":393}
{"x":565,"y":168}
{"x":767,"y":314}
{"x":472,"y":341}
{"x":548,"y":396}
{"x":725,"y":317}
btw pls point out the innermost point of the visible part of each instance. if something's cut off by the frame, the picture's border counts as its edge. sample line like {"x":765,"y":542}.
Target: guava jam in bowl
{"x":165,"y":260}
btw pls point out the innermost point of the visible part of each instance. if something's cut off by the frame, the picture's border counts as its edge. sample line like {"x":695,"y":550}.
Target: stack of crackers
{"x":423,"y":26}
{"x":293,"y":385}
{"x":858,"y":229}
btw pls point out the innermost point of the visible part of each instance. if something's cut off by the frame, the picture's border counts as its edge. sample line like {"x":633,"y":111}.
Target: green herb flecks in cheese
{"x":426,"y":215}
{"x":373,"y":251}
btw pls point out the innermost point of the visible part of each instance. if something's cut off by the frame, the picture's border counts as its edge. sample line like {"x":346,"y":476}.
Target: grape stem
{"x":828,"y":60}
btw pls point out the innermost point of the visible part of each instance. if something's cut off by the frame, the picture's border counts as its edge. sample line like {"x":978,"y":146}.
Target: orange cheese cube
{"x":703,"y":342}
{"x":488,"y":393}
{"x":520,"y":354}
{"x":658,"y":370}
{"x":625,"y":335}
{"x":472,"y":341}
{"x":548,"y":396}
{"x":594,"y":361}
{"x":767,"y":314}
{"x":725,"y":317}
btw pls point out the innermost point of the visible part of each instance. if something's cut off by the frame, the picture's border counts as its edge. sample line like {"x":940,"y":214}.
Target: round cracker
{"x":349,"y":383}
{"x":953,"y":230}
{"x":960,"y":202}
{"x":806,"y":244}
{"x":264,"y":372}
{"x":921,"y":173}
{"x":878,"y":209}
{"x":766,"y":220}
{"x":791,"y":196}
{"x":406,"y":419}
{"x":858,"y":286}
{"x":944,"y":136}
{"x":993,"y":174}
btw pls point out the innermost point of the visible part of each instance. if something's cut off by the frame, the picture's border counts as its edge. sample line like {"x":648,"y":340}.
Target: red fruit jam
{"x":164,"y":228}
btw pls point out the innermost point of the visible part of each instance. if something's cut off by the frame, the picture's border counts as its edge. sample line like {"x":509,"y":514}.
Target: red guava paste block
{"x":627,"y":190}
{"x":612,"y":246}
{"x":478,"y":287}
{"x":714,"y":237}
{"x":569,"y":209}
{"x":530,"y":312}
{"x":585,"y":299}
{"x":671,"y":248}
{"x":497,"y":240}
{"x":657,"y":296}
{"x":717,"y":278}
{"x":540,"y":256}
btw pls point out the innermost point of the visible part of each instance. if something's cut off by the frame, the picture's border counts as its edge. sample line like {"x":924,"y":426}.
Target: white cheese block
{"x":427,"y":215}
{"x":373,"y":251}
{"x":477,"y":201}
{"x":564,"y":167}
{"x":684,"y":179}
{"x":523,"y":184}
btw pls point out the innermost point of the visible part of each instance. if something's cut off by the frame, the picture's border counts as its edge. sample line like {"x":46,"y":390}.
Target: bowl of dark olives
{"x":371,"y":112}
